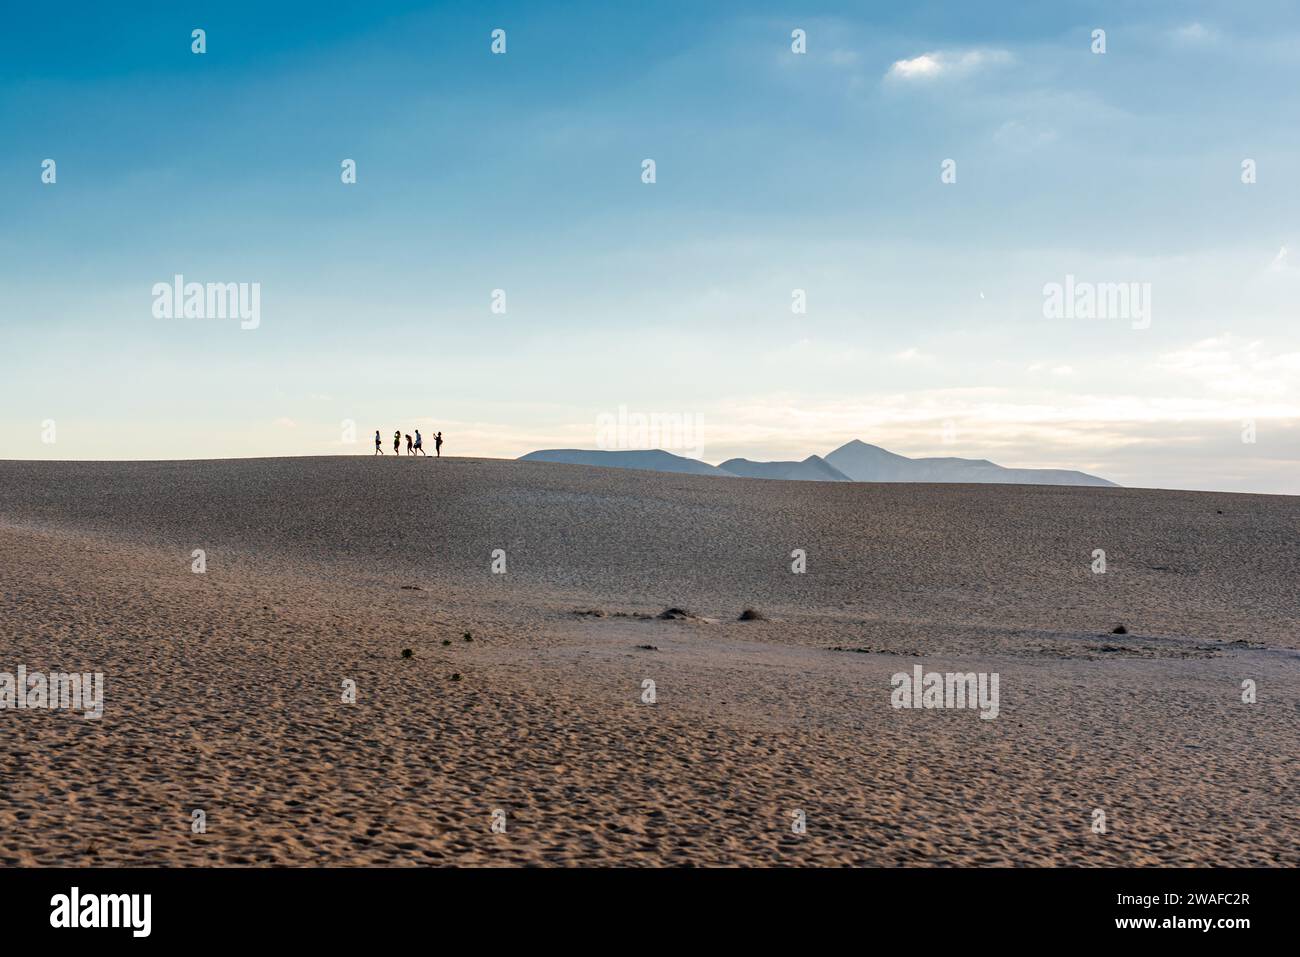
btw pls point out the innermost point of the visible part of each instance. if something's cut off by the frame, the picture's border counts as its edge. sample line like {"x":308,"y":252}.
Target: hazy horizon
{"x":804,"y":270}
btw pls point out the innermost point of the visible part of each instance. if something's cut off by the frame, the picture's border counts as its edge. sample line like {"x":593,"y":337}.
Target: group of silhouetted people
{"x":412,"y":448}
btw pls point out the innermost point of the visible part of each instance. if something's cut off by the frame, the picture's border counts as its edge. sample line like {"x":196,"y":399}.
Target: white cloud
{"x":929,"y":66}
{"x":1228,"y":366}
{"x":1193,"y":33}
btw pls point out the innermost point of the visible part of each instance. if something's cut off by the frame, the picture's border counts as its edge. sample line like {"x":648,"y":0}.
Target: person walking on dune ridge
{"x":409,"y":450}
{"x":419,"y":443}
{"x":397,"y":442}
{"x":437,"y":445}
{"x":378,"y":450}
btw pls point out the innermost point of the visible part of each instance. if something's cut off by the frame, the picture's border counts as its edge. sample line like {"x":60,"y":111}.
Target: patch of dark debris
{"x":876,"y":651}
{"x":601,"y":613}
{"x":1152,"y":648}
{"x":1242,"y":643}
{"x":668,"y":614}
{"x":677,"y":614}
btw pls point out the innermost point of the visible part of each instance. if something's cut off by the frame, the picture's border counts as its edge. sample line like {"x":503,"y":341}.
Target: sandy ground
{"x":223,"y":689}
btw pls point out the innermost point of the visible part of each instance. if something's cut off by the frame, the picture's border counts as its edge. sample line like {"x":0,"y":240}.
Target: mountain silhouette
{"x":653,"y":460}
{"x":855,"y":461}
{"x":870,"y":463}
{"x":812,"y":469}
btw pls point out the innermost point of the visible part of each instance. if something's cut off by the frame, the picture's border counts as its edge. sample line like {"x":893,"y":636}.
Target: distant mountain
{"x":652,"y":460}
{"x":870,"y":463}
{"x":853,"y":462}
{"x":860,"y":459}
{"x":812,"y":469}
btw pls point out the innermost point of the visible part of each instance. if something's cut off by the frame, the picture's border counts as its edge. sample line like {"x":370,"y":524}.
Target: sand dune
{"x":223,"y":688}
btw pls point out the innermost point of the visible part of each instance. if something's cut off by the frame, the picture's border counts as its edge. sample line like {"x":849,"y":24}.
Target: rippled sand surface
{"x":223,"y":690}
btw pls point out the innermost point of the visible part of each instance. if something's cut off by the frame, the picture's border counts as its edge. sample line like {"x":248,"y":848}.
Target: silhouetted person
{"x":409,"y":450}
{"x":437,"y":445}
{"x":378,"y":450}
{"x":419,"y":443}
{"x":397,"y":442}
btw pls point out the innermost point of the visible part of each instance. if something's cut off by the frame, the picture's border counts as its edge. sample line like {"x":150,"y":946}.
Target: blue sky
{"x":924,"y":330}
